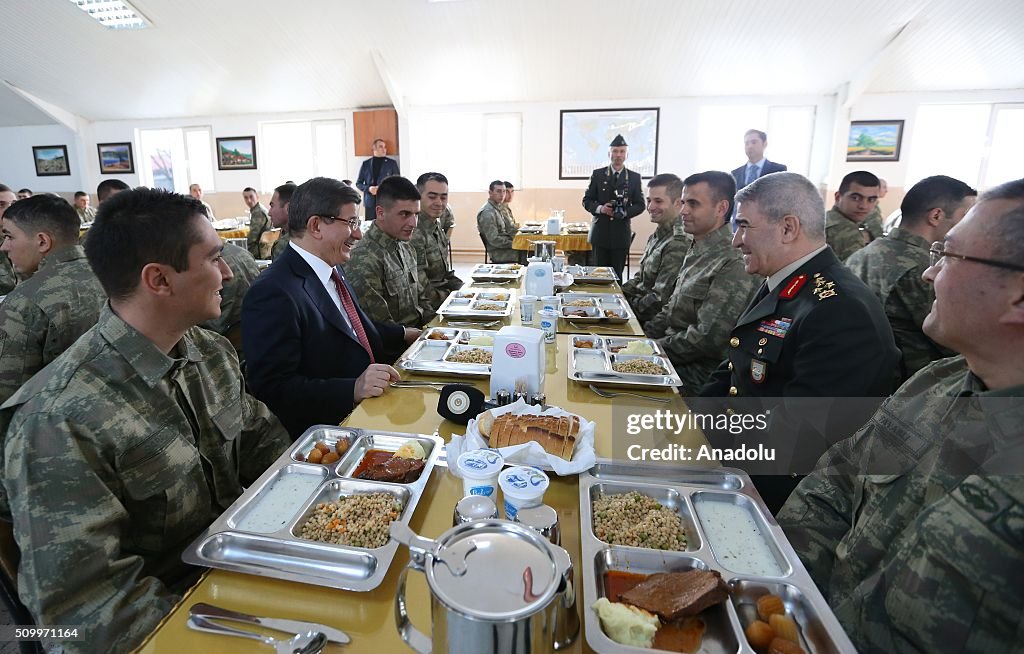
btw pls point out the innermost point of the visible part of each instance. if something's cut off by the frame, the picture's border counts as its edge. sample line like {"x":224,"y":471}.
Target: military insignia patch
{"x":792,"y":287}
{"x":758,"y":371}
{"x":777,"y":327}
{"x":823,"y":288}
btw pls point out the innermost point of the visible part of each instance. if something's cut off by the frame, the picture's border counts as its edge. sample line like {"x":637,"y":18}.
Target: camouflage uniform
{"x":497,"y":231}
{"x":651,"y":287}
{"x":892,"y":268}
{"x":913,"y":529}
{"x":280,"y":244}
{"x":259,"y":222}
{"x":383,"y":273}
{"x":447,"y":221}
{"x":711,"y":291}
{"x":117,"y":457}
{"x":44,"y":315}
{"x":229,"y":323}
{"x":8,"y":278}
{"x":86,"y":215}
{"x":846,"y":236}
{"x":431,"y":247}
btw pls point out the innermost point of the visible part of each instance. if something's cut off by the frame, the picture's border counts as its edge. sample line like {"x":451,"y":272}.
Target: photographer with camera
{"x":613,"y":197}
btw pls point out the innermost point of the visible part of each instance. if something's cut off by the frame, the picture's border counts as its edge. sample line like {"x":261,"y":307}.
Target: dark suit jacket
{"x":608,"y":233}
{"x":740,"y":174}
{"x":366,"y":180}
{"x":302,"y":358}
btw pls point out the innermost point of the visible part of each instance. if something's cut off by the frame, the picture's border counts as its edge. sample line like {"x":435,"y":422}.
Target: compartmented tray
{"x":592,"y":360}
{"x":442,"y":356}
{"x":260,"y":533}
{"x":711,"y":505}
{"x":597,"y":308}
{"x":592,"y":274}
{"x":500,"y":272}
{"x":469,"y":304}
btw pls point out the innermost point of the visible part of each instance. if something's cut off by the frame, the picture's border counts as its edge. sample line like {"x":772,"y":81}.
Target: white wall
{"x":17,"y":167}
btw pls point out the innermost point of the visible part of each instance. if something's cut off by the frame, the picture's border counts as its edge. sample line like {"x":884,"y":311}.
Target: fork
{"x":311,"y":642}
{"x":489,"y":323}
{"x":604,"y":393}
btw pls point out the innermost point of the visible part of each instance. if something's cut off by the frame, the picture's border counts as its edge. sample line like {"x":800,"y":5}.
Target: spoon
{"x":311,"y":642}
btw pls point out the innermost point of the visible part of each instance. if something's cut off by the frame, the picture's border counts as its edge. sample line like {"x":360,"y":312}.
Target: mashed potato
{"x":481,"y":340}
{"x":410,"y":449}
{"x":637,"y":347}
{"x":626,"y":624}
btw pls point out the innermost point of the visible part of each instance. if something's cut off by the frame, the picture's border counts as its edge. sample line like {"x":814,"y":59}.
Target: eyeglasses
{"x":353,"y":223}
{"x":938,"y":250}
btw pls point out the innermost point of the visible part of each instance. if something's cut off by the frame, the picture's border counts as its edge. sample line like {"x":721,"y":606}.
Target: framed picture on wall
{"x":51,"y":160}
{"x":874,"y":140}
{"x":584,"y":135}
{"x":236,"y":153}
{"x":115,"y":158}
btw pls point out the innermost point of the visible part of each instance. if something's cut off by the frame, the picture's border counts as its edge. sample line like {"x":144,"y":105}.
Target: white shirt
{"x":323,"y":271}
{"x":786,"y":271}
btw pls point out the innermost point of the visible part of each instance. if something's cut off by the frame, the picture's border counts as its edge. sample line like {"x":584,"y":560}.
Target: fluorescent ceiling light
{"x":115,"y":14}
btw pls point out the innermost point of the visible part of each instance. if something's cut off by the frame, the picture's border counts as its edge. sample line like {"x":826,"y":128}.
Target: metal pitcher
{"x":544,"y":249}
{"x":493,"y":585}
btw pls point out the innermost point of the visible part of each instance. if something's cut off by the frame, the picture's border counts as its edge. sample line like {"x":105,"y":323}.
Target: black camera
{"x":619,"y":204}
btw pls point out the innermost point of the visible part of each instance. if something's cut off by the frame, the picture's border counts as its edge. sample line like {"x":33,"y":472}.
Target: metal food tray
{"x":585,"y":274}
{"x":282,"y":554}
{"x":594,"y":365}
{"x":463,"y":304}
{"x":501,"y":272}
{"x":684,"y":490}
{"x":596,"y":309}
{"x":428,"y":355}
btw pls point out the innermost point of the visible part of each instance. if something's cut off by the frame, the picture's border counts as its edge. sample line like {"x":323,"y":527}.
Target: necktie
{"x":751,"y":174}
{"x":353,"y":316}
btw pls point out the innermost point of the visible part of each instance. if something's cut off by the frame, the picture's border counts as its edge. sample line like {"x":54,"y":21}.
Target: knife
{"x":279,"y":624}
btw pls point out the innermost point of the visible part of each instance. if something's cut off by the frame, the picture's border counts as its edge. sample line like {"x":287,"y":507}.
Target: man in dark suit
{"x":372,"y":173}
{"x":813,"y":330}
{"x":754,"y":143}
{"x":613,"y":197}
{"x":312,"y":353}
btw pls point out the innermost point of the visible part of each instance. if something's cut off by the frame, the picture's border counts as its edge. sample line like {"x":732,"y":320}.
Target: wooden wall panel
{"x":373,"y":124}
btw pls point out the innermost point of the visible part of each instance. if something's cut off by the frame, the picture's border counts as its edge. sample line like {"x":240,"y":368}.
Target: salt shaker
{"x":543,"y":519}
{"x":474,"y":507}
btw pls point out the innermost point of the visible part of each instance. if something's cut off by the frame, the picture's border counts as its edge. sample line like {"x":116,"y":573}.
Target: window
{"x":1007,"y":142}
{"x":790,"y":132}
{"x":176,"y":157}
{"x":949,"y":139}
{"x":300,"y":150}
{"x":489,"y":147}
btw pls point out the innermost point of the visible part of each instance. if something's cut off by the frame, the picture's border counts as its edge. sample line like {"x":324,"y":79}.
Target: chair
{"x":632,"y":237}
{"x":487,"y":254}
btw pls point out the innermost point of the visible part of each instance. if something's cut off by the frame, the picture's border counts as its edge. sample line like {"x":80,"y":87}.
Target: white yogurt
{"x":280,"y":501}
{"x":736,"y":540}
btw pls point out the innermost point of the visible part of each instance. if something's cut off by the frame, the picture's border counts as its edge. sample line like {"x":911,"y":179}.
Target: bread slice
{"x":557,"y":435}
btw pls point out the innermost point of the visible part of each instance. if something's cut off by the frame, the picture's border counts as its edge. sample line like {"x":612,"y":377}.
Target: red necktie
{"x":353,"y":316}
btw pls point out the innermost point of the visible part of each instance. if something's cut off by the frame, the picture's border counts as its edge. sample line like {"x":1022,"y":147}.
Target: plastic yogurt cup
{"x":479,"y":470}
{"x":523,"y":487}
{"x":527,"y":306}
{"x":549,"y":323}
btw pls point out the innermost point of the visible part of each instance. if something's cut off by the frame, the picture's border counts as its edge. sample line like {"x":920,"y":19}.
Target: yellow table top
{"x":225,"y":234}
{"x":369,"y":617}
{"x":566,"y":242}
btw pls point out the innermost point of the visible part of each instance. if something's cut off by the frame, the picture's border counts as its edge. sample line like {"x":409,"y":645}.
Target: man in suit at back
{"x":371,"y":173}
{"x":313,"y":354}
{"x":754,"y":143}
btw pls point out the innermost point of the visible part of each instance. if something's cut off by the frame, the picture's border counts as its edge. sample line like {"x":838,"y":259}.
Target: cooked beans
{"x":637,"y":520}
{"x":639,"y":367}
{"x":471,"y":356}
{"x":359,"y":520}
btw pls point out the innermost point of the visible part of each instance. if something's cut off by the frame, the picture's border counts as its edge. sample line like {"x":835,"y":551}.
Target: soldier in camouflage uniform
{"x":850,"y":224}
{"x":382,"y":269}
{"x":506,"y":205}
{"x":44,"y":315}
{"x":279,"y":217}
{"x":447,"y":221}
{"x":913,"y":528}
{"x":431,"y":244}
{"x":651,"y":287}
{"x":892,"y":266}
{"x":243,"y":271}
{"x":259,"y":222}
{"x":711,"y":289}
{"x":8,"y":279}
{"x":128,"y":445}
{"x":496,"y":229}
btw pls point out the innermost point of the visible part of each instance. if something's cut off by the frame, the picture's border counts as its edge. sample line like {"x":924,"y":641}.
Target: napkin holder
{"x":517,"y":362}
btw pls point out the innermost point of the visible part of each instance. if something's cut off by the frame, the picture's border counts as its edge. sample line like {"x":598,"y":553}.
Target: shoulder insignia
{"x":823,"y":288}
{"x":793,"y":287}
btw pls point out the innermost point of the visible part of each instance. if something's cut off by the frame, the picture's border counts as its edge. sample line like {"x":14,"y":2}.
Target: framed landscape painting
{"x":51,"y":160}
{"x":236,"y":153}
{"x":115,"y":158}
{"x":584,"y":135}
{"x":874,"y":140}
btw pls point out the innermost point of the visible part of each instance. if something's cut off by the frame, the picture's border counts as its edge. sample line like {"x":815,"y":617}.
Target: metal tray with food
{"x":678,"y":559}
{"x":592,"y":274}
{"x":620,"y":361}
{"x":478,"y":305}
{"x":450,"y":351}
{"x":319,"y":519}
{"x":501,"y":272}
{"x":608,"y":308}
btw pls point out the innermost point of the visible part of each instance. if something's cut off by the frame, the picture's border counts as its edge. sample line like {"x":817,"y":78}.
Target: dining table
{"x":368,"y":617}
{"x":566,"y":241}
